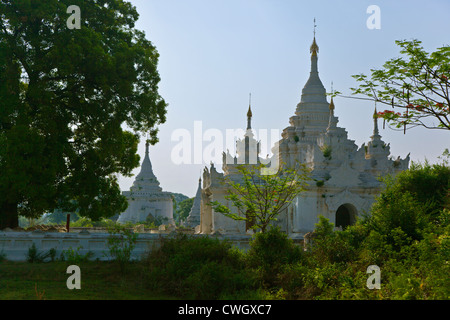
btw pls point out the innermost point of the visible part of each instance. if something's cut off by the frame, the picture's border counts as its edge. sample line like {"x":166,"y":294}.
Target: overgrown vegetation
{"x":260,"y":198}
{"x":121,"y":242}
{"x":74,"y":256}
{"x":34,"y":256}
{"x":406,"y":235}
{"x":326,"y":150}
{"x":199,"y":268}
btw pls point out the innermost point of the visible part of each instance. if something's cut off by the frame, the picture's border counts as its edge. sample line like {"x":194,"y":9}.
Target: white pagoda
{"x":146,"y":200}
{"x":344,"y":184}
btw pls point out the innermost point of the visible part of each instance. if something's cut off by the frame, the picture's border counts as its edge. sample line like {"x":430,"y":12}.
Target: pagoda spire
{"x":194,"y":218}
{"x":314,"y":49}
{"x":312,"y":112}
{"x":332,"y":122}
{"x":146,"y":147}
{"x":249,"y":113}
{"x":376,"y":133}
{"x":314,"y":91}
{"x":146,"y":173}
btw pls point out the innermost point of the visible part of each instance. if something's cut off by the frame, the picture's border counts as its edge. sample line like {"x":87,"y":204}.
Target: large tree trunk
{"x":8,"y":216}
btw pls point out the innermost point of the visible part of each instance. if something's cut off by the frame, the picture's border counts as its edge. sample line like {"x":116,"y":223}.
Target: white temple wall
{"x":306,"y":212}
{"x":223,"y":223}
{"x":206,"y":212}
{"x":15,"y":245}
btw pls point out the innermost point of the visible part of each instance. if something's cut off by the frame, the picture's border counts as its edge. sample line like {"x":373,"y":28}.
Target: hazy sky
{"x":214,"y":53}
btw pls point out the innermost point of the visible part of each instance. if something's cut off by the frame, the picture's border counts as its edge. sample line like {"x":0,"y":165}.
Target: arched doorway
{"x":345,"y":215}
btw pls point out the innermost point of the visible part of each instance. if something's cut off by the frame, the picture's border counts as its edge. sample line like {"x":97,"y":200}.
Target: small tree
{"x":183,"y":209}
{"x":121,"y":243}
{"x":259,"y":198}
{"x":418,"y":86}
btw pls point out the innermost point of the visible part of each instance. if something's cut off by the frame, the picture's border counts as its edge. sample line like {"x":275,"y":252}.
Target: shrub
{"x":269,"y":252}
{"x":74,"y":256}
{"x":291,"y":279}
{"x":121,"y":242}
{"x":326,"y":150}
{"x":330,"y":246}
{"x":2,"y":256}
{"x":34,"y":256}
{"x":428,"y":184}
{"x":398,"y":210}
{"x":82,"y":222}
{"x":198,"y":267}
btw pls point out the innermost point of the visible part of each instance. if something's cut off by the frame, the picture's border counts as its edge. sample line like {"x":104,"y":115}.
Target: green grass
{"x":99,"y":281}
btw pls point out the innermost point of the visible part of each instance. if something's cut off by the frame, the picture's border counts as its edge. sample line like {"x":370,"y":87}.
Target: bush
{"x":398,"y":210}
{"x":82,"y":222}
{"x":121,"y":242}
{"x":2,"y":256}
{"x":428,"y":184}
{"x":34,"y":256}
{"x":330,"y":246}
{"x":269,"y":252}
{"x":291,"y":279}
{"x":74,"y":256}
{"x":198,"y":268}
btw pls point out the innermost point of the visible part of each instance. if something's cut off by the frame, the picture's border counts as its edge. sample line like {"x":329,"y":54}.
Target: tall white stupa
{"x":146,"y":200}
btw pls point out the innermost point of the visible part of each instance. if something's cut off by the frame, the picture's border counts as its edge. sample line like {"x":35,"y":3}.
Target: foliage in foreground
{"x":199,"y":268}
{"x":262,"y":195}
{"x":406,"y":235}
{"x":416,"y":83}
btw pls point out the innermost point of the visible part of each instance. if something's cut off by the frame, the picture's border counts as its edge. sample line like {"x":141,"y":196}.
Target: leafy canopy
{"x":260,"y":198}
{"x":417,"y":84}
{"x":65,"y":98}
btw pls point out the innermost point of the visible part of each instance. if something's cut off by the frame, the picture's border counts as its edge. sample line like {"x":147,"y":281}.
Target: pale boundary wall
{"x":15,"y":245}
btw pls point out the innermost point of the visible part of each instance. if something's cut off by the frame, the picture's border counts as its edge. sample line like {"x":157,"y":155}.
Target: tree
{"x":183,"y":209}
{"x":418,"y":85}
{"x":65,"y":96}
{"x":412,"y":199}
{"x":260,"y":198}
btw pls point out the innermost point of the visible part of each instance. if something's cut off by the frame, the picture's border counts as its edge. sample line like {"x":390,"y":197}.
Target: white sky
{"x":214,"y":53}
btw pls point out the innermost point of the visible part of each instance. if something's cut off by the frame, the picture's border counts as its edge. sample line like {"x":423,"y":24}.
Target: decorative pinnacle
{"x":249,"y":113}
{"x":314,"y":47}
{"x":375,"y":122}
{"x":315,"y":27}
{"x":146,"y":146}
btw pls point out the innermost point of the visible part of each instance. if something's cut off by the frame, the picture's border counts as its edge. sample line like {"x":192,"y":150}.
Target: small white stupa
{"x":146,"y":200}
{"x":193,"y":219}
